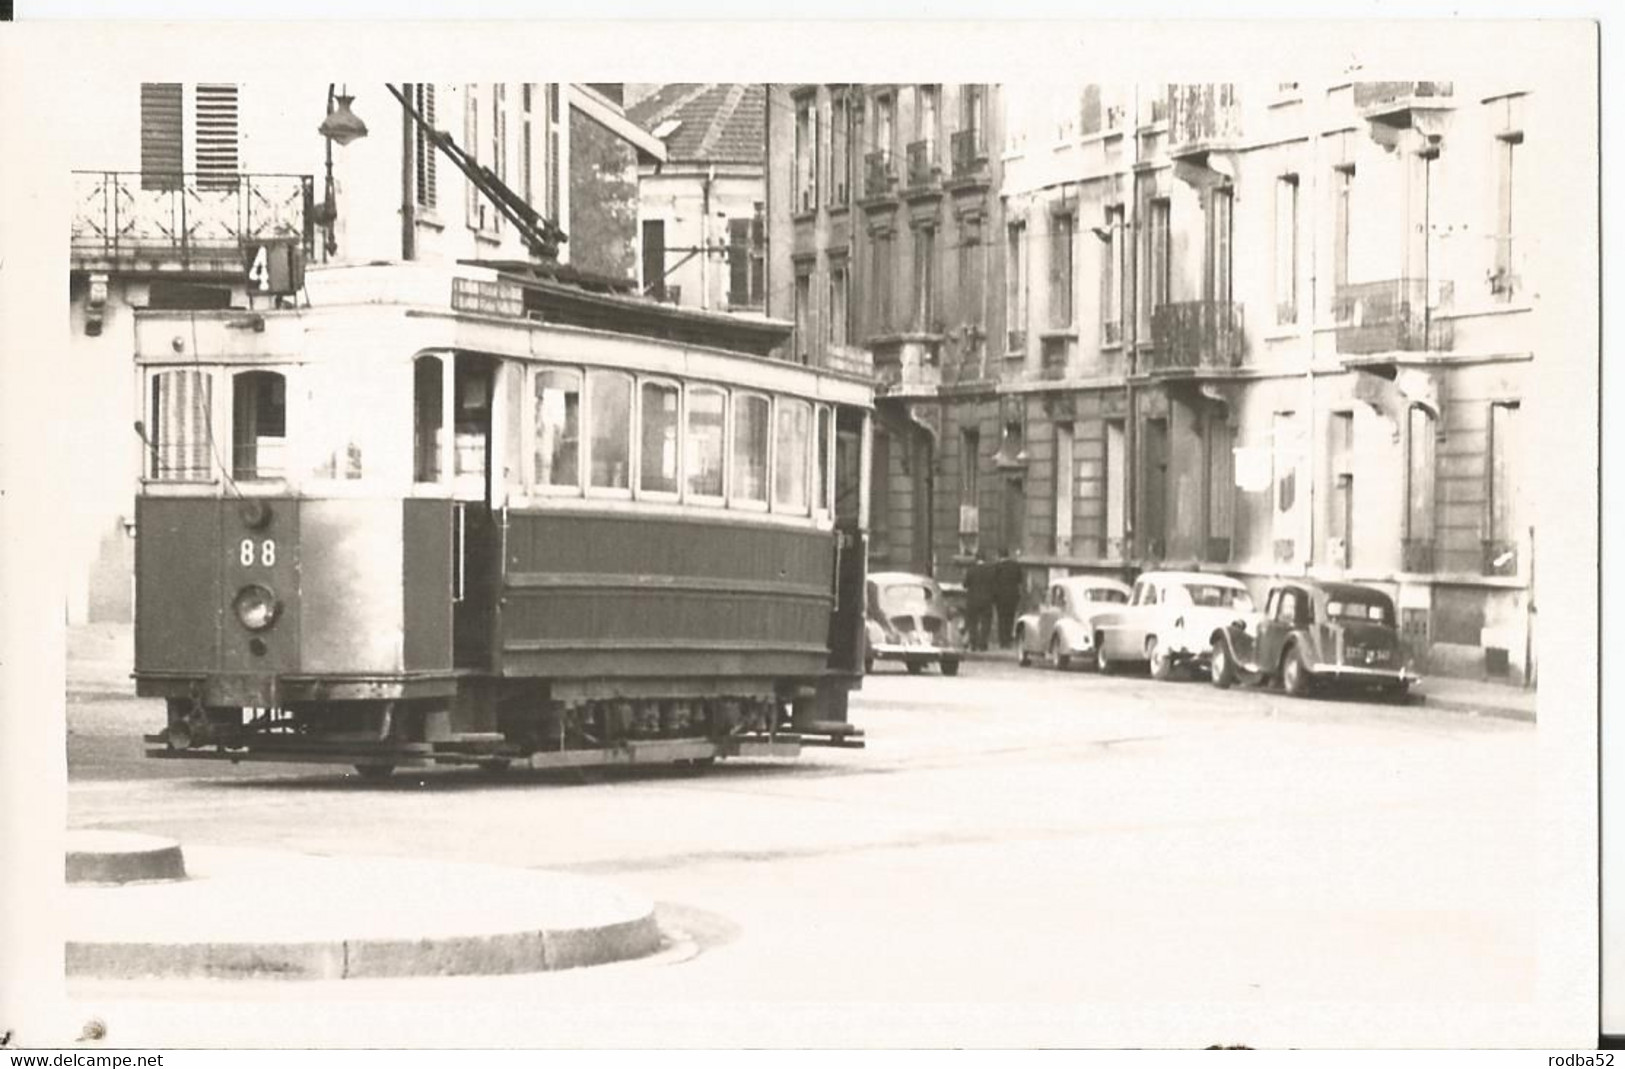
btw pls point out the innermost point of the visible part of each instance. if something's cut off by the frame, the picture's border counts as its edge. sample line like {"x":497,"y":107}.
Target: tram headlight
{"x":256,"y":606}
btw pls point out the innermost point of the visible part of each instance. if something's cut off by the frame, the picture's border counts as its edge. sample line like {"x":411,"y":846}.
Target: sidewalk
{"x":1476,"y":697}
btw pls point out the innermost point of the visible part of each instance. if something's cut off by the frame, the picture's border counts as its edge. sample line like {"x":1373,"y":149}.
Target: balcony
{"x":1391,"y":316}
{"x":1395,"y":103}
{"x":1195,"y":337}
{"x":878,"y":177}
{"x":907,"y":363}
{"x":195,"y":223}
{"x":1201,"y":119}
{"x":969,"y":157}
{"x":922,"y":164}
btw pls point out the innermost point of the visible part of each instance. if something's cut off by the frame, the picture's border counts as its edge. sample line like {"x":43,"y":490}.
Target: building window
{"x":1340,"y":537}
{"x":704,"y":447}
{"x":216,"y":109}
{"x":1115,"y":468}
{"x":557,"y":421}
{"x":526,"y":162}
{"x":792,"y":441}
{"x":654,"y":258}
{"x":1501,"y":506}
{"x":751,"y":429}
{"x":804,"y":321}
{"x":1111,"y":278}
{"x":840,"y":132}
{"x":885,"y":113}
{"x":658,"y":461}
{"x":478,"y":209}
{"x":806,"y":155}
{"x":1420,"y":443}
{"x":555,"y":151}
{"x":969,"y":255}
{"x":839,"y":328}
{"x":162,"y":135}
{"x":1090,"y":119}
{"x":926,"y":100}
{"x":1060,"y":270}
{"x":1221,"y":222}
{"x":925,"y":279}
{"x":1015,"y":302}
{"x":609,"y":425}
{"x":1504,"y":271}
{"x":1342,"y":217}
{"x":259,"y":425}
{"x":973,"y":117}
{"x":499,"y":130}
{"x":1159,"y":255}
{"x":880,"y":282}
{"x":744,"y":263}
{"x":1286,"y":249}
{"x":178,"y":432}
{"x":1065,"y":488}
{"x":424,"y":151}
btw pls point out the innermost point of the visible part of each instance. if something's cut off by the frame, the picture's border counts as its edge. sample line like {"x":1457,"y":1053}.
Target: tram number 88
{"x":251,"y":553}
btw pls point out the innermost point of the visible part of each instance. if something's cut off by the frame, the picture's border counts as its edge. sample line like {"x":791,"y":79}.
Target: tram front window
{"x":609,"y":393}
{"x":791,"y":436}
{"x":558,"y":428}
{"x":427,"y":390}
{"x":178,"y":437}
{"x":659,"y":453}
{"x":259,"y":425}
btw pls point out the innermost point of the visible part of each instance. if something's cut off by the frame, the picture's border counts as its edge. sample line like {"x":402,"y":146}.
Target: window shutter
{"x":426,"y":150}
{"x":216,"y":110}
{"x":161,"y":135}
{"x":739,"y":232}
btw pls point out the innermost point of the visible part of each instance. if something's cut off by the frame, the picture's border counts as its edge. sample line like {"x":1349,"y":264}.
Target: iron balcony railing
{"x":1196,"y":336}
{"x":186,"y":220}
{"x":969,"y":154}
{"x":1393,"y":315}
{"x":1202,"y":114}
{"x":1381,"y":94}
{"x":877,"y":174}
{"x":922,"y":163}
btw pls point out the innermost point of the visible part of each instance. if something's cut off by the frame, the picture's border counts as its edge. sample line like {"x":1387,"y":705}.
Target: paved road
{"x":1019,"y":857}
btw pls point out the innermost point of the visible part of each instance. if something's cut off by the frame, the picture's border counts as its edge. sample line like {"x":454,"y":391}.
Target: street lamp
{"x":340,"y":125}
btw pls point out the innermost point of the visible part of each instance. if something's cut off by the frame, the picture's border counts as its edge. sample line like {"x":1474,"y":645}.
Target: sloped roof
{"x":716,"y":122}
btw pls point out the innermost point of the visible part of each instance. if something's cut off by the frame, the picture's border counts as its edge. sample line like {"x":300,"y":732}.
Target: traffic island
{"x":245,"y":914}
{"x":119,"y":857}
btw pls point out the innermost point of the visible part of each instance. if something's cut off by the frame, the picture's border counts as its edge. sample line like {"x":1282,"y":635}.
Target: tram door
{"x":846,"y":622}
{"x":476,"y":535}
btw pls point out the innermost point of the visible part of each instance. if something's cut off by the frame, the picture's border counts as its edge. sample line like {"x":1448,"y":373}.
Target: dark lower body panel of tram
{"x":419,"y":632}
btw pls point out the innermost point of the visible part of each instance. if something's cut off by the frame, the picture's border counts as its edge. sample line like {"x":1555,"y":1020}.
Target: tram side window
{"x":259,"y":425}
{"x":792,"y":435}
{"x":821,"y":494}
{"x":751,"y":416}
{"x":179,"y":436}
{"x":473,"y":415}
{"x":704,"y":447}
{"x":426,"y":402}
{"x":609,"y":397}
{"x":658,"y":469}
{"x":558,"y":428}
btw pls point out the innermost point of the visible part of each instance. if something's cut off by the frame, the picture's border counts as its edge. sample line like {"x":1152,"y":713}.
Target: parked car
{"x":1169,"y":621}
{"x":1313,"y":633}
{"x":907,"y":620}
{"x":1063,"y":627}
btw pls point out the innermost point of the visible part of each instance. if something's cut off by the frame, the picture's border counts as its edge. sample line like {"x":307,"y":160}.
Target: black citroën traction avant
{"x":486,"y":516}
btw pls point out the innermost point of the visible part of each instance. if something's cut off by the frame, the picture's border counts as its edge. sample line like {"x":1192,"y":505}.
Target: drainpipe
{"x":1131,"y":350}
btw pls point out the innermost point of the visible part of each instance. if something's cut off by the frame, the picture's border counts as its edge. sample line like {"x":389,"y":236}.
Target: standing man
{"x":979,"y":599}
{"x":1007,"y":594}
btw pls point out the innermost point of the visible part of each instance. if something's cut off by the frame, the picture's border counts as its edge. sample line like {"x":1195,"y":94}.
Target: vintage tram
{"x":480,"y":516}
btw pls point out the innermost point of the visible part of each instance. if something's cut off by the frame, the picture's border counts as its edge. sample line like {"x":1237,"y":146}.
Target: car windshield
{"x":1103,"y":593}
{"x":909,"y":597}
{"x":1214,"y":596}
{"x":1355,"y":609}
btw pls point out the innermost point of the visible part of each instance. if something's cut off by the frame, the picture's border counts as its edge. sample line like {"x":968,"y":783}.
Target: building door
{"x":1014,"y":514}
{"x":1154,"y":505}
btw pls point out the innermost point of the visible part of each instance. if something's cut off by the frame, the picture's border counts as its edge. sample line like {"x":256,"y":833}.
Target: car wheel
{"x":1294,"y":674}
{"x":950,"y":668}
{"x":1397,"y":693}
{"x":1059,"y":659}
{"x":1220,"y":670}
{"x":1162,"y":661}
{"x":868,"y":666}
{"x":1025,"y":658}
{"x":915,"y":667}
{"x":1103,"y":663}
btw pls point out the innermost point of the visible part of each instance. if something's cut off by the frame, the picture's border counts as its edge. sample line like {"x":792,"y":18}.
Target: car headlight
{"x":256,"y":606}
